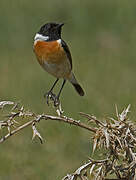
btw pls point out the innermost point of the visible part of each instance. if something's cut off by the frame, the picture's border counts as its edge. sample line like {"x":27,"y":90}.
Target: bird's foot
{"x":56,"y":102}
{"x":52,"y":97}
{"x":49,"y":96}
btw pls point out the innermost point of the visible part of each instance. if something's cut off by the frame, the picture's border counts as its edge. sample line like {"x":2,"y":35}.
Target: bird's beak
{"x":60,"y":25}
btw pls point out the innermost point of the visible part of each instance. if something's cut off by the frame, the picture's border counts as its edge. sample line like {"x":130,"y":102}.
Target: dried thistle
{"x":118,"y":138}
{"x":115,"y":136}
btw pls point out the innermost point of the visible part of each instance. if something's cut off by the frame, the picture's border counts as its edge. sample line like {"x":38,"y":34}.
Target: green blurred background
{"x":102,"y":39}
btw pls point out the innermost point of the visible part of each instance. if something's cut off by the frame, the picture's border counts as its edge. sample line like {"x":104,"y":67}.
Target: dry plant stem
{"x":15,"y":131}
{"x":115,"y":136}
{"x":48,"y":117}
{"x":69,"y":121}
{"x":89,"y":117}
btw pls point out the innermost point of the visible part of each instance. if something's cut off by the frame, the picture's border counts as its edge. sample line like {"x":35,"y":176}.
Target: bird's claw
{"x":50,"y":96}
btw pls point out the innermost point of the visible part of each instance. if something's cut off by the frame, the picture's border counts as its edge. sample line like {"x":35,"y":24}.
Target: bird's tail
{"x":76,"y":85}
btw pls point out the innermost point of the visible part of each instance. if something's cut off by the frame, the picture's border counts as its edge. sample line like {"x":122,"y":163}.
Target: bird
{"x":54,"y":56}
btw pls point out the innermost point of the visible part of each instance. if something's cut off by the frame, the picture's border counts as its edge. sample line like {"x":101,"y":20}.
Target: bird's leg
{"x":56,"y":101}
{"x":49,"y":94}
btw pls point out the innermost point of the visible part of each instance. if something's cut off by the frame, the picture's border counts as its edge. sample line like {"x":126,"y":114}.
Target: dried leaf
{"x":128,"y":131}
{"x":91,"y":169}
{"x":117,"y":113}
{"x":83,"y":167}
{"x":69,"y":177}
{"x":92,"y":118}
{"x":94,"y":144}
{"x":97,"y":176}
{"x":124,"y":113}
{"x":107,"y":137}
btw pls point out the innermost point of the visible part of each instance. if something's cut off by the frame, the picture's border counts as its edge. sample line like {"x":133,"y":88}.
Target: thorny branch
{"x":20,"y":112}
{"x":115,"y":136}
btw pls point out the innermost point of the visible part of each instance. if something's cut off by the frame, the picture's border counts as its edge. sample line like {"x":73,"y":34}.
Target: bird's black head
{"x":52,"y":30}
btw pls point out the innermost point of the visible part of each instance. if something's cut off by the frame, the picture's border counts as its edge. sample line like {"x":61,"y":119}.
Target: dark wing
{"x":64,"y":45}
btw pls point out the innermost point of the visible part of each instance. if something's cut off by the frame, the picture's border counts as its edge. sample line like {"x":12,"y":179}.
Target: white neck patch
{"x":40,"y":37}
{"x":59,"y":41}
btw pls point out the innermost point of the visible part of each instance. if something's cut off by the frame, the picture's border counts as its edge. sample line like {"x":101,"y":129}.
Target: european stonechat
{"x":54,"y":56}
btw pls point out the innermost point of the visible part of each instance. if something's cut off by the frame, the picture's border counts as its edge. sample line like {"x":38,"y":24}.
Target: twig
{"x":89,"y":117}
{"x":69,"y":121}
{"x":15,"y":131}
{"x":48,"y":117}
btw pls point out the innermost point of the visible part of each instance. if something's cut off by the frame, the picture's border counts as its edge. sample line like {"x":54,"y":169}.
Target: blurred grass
{"x":101,"y":36}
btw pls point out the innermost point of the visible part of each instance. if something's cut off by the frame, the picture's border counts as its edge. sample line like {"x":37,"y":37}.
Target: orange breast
{"x":52,"y":52}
